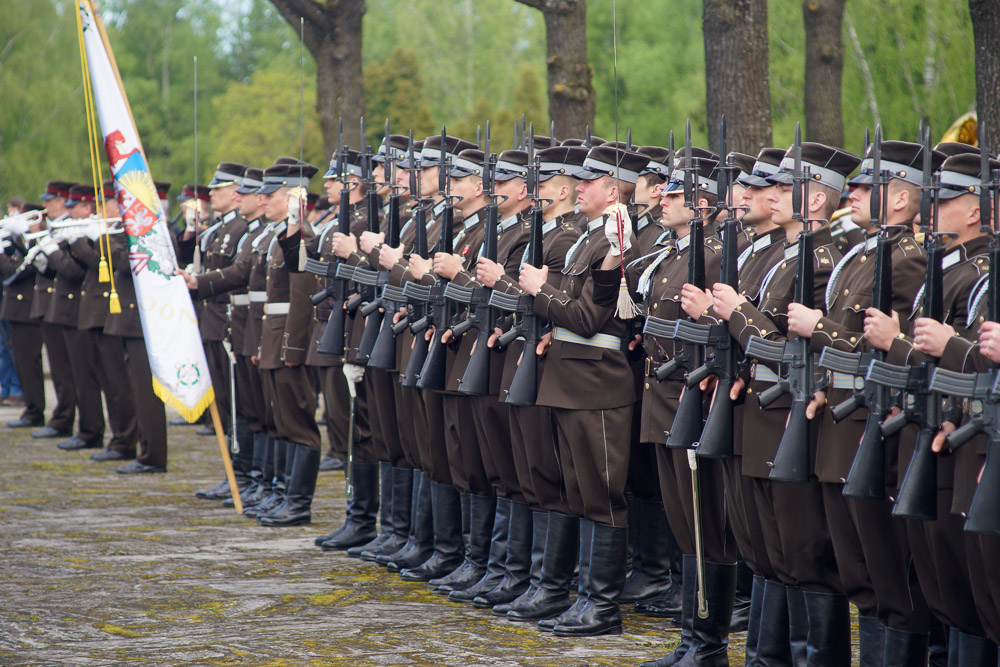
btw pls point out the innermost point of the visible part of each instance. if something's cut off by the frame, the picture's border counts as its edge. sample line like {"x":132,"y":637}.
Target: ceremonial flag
{"x":169,"y":324}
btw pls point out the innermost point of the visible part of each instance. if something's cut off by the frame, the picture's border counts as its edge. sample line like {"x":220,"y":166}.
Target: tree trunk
{"x":986,"y":33}
{"x":332,"y":33}
{"x":824,"y":70}
{"x":571,"y":92}
{"x":737,"y":83}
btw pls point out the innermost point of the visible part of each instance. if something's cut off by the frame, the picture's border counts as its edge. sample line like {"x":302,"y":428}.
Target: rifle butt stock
{"x":791,"y":462}
{"x":918,"y":493}
{"x":866,"y":478}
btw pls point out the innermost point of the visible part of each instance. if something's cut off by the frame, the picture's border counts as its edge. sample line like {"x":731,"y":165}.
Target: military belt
{"x":276,"y":308}
{"x":764,"y":374}
{"x":257,"y":297}
{"x":605,"y":341}
{"x":239,"y":299}
{"x":841,"y":380}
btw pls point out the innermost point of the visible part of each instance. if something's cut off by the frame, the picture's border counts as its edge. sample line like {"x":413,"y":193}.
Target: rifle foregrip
{"x":772,"y":393}
{"x":842,"y":411}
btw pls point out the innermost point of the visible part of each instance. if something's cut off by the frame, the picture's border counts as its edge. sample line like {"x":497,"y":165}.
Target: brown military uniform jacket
{"x":218,"y":250}
{"x":93,"y":294}
{"x":577,"y":375}
{"x":649,"y":232}
{"x":64,"y":304}
{"x":848,"y":296}
{"x":17,"y":295}
{"x":769,"y":319}
{"x":127,"y":323}
{"x":284,"y":335}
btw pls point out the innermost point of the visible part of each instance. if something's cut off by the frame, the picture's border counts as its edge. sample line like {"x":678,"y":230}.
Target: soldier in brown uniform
{"x":289,"y":386}
{"x":647,"y":198}
{"x":939,"y":550}
{"x":63,"y":310}
{"x":535,"y":458}
{"x":25,"y":331}
{"x":218,"y":248}
{"x":586,"y":359}
{"x":791,"y":513}
{"x":870,"y":547}
{"x":61,"y":423}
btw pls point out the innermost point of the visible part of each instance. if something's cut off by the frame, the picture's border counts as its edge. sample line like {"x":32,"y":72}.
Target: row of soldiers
{"x":495,"y":499}
{"x":69,"y":291}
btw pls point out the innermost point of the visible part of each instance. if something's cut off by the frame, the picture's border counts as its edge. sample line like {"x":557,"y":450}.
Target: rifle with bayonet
{"x":476,"y":379}
{"x":917,"y":497}
{"x":370,"y":280}
{"x":791,"y":463}
{"x":432,"y":374}
{"x":982,"y":390}
{"x":383,"y":354}
{"x":866,"y":478}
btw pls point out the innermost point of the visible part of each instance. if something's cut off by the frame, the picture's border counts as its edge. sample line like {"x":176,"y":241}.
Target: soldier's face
{"x":249,"y":206}
{"x":81,"y":211}
{"x":780,"y":199}
{"x":223,"y":199}
{"x":55,"y":207}
{"x":515,"y":190}
{"x":646,"y":194}
{"x":403,"y":179}
{"x":592,"y":197}
{"x":860,"y":200}
{"x":378,"y":175}
{"x":674,"y":214}
{"x":959,"y":214}
{"x":111,"y":208}
{"x":757,"y":205}
{"x":469,"y":188}
{"x":276,"y":207}
{"x":428,"y":181}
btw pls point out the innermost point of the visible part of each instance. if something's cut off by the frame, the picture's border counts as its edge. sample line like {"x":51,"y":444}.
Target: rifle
{"x":370,"y":279}
{"x":688,"y":422}
{"x":432,"y":374}
{"x":383,"y":354}
{"x":982,"y":389}
{"x":476,"y":379}
{"x":413,"y":294}
{"x":791,"y":463}
{"x":866,"y":478}
{"x":921,"y":405}
{"x":332,"y":341}
{"x":724,"y":361}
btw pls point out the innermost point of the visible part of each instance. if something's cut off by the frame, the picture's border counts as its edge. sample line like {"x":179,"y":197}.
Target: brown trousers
{"x":537,"y":459}
{"x":292,"y":395}
{"x":491,"y":419}
{"x":26,"y":341}
{"x":119,"y":394}
{"x":62,"y":377}
{"x":85,"y":365}
{"x":465,"y":461}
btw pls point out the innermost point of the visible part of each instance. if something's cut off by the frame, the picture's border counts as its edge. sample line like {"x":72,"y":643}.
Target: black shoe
{"x":205,"y":430}
{"x":300,"y":486}
{"x":178,"y":421}
{"x":665,"y":605}
{"x":517,"y":567}
{"x":552,"y":597}
{"x":47,"y":432}
{"x":76,"y":442}
{"x":330,"y":462}
{"x":494,"y":561}
{"x":136,"y":468}
{"x":111,"y":455}
{"x":218,"y":492}
{"x":601,"y":614}
{"x":448,"y":544}
{"x":359,"y":528}
{"x":21,"y":422}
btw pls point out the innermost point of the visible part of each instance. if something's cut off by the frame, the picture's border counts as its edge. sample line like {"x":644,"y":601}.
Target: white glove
{"x":190,"y":216}
{"x":41,"y":262}
{"x":354,"y":375}
{"x":92,"y":232}
{"x":16,"y":225}
{"x":296,"y":197}
{"x":614,"y":214}
{"x":48,"y":246}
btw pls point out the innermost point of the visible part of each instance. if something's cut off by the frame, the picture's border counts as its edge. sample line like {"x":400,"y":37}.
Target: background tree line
{"x":460,"y":62}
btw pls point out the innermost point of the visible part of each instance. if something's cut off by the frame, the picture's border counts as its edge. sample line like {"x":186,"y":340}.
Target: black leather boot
{"x":773,"y":648}
{"x":558,"y":559}
{"x":976,"y":651}
{"x":710,"y":636}
{"x":753,"y":620}
{"x":741,"y":606}
{"x":539,"y":529}
{"x":402,"y":497}
{"x":586,"y":532}
{"x":798,"y":626}
{"x":359,"y":527}
{"x":517,"y":566}
{"x":689,"y":592}
{"x":650,"y":574}
{"x":419,"y":546}
{"x":482,"y":510}
{"x":448,"y":546}
{"x":258,"y":446}
{"x":829,"y":640}
{"x":902,"y":649}
{"x":601,"y":614}
{"x":871,"y":641}
{"x":242,"y":463}
{"x":465,"y":501}
{"x":668,"y":603}
{"x":300,"y":485}
{"x":496,"y":558}
{"x":385,"y":512}
{"x":264,"y":461}
{"x":277,"y":496}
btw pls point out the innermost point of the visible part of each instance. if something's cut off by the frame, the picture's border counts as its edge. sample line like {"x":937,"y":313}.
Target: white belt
{"x":239,"y":299}
{"x":762,"y":373}
{"x":276,"y":308}
{"x":841,"y":381}
{"x":605,"y":341}
{"x":257,"y":297}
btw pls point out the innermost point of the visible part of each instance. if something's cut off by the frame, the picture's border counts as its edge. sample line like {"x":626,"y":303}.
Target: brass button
{"x":864,"y":258}
{"x":131,"y":305}
{"x":655,"y":306}
{"x":49,"y":290}
{"x":647,"y":385}
{"x":833,"y":335}
{"x":663,"y":281}
{"x":83,"y":292}
{"x":20,"y":297}
{"x":750,"y":321}
{"x":69,"y":296}
{"x":853,"y":339}
{"x":846,"y":292}
{"x":784,"y":264}
{"x":105,"y":295}
{"x":763,"y":332}
{"x":739,"y":309}
{"x":819,"y":326}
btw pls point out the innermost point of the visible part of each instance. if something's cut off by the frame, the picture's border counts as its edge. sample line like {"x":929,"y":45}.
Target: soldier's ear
{"x":818,"y":201}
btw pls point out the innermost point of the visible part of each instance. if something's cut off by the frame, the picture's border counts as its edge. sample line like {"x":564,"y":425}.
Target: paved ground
{"x":101,"y":569}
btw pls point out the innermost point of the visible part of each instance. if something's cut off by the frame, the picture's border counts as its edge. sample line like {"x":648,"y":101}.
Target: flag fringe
{"x":190,"y":414}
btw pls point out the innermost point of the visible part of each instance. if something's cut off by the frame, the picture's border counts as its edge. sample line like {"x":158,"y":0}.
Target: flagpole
{"x":216,"y":421}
